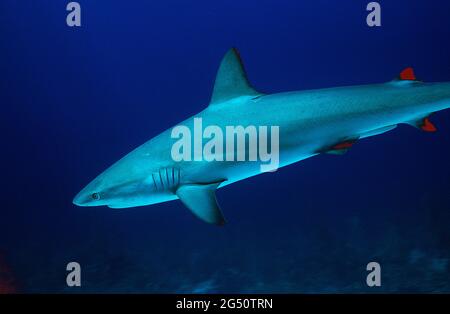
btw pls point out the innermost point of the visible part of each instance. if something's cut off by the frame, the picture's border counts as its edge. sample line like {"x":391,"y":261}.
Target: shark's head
{"x":117,"y":185}
{"x":129,"y":182}
{"x":115,"y":192}
{"x":106,"y":189}
{"x":95,"y":194}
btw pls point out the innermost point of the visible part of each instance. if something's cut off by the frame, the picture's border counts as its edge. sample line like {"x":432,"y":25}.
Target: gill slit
{"x":160,"y":178}
{"x":154,"y":182}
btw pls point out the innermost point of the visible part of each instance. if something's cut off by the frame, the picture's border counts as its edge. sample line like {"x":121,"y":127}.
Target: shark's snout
{"x":87,"y":197}
{"x":82,"y":199}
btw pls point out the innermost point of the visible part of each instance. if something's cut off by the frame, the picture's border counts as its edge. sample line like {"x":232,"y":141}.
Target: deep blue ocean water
{"x":75,"y":100}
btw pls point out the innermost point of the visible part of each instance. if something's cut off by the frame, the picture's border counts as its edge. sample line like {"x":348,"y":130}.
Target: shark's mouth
{"x":116,"y":206}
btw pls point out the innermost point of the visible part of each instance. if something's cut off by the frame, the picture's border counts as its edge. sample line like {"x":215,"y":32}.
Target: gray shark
{"x":310,"y":122}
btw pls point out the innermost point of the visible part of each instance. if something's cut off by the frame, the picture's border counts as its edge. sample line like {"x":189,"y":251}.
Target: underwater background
{"x":75,"y":100}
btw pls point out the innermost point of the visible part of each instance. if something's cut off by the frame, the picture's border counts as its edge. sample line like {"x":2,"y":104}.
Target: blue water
{"x":75,"y":100}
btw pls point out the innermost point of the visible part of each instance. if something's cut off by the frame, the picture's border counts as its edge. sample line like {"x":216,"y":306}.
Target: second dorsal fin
{"x":231,"y":80}
{"x":407,"y":75}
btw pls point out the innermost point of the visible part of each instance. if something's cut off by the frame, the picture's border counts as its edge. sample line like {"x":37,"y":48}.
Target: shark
{"x":311,"y":122}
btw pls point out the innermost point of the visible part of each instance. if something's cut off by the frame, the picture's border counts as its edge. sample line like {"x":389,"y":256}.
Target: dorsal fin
{"x":231,"y":79}
{"x":406,"y":78}
{"x":407,"y":75}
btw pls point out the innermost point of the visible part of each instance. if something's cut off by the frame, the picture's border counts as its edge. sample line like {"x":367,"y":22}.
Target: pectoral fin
{"x":201,"y":200}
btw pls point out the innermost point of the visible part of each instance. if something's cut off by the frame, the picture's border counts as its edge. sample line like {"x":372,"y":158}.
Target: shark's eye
{"x":95,"y":196}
